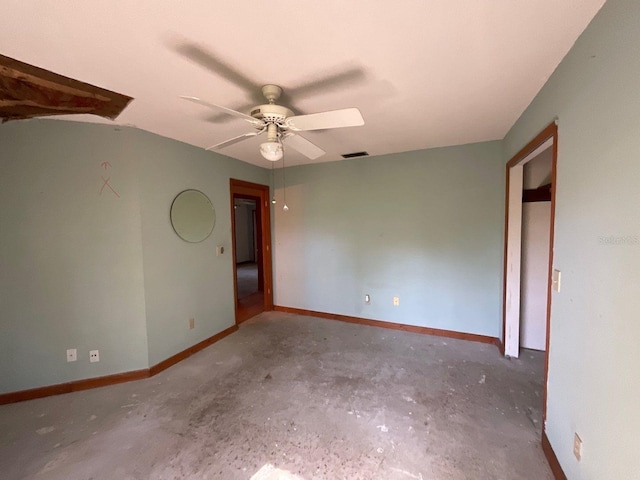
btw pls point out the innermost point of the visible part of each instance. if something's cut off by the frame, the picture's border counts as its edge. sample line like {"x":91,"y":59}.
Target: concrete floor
{"x":289,"y":397}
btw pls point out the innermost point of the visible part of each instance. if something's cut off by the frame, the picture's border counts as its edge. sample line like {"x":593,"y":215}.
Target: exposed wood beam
{"x":540,"y":194}
{"x":27,"y":91}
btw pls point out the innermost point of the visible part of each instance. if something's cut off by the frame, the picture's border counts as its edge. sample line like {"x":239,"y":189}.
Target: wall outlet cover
{"x":72,"y":355}
{"x":396,"y":301}
{"x":94,"y":356}
{"x":577,"y":447}
{"x":556,"y":278}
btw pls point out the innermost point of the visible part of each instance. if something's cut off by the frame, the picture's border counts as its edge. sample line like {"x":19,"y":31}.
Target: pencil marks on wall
{"x":105,"y":181}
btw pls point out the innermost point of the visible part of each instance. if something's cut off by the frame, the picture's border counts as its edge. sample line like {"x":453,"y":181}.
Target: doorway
{"x":536,"y":226}
{"x":545,"y":143}
{"x":251,"y":242}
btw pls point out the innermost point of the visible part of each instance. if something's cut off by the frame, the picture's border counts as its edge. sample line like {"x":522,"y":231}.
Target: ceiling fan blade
{"x":302,"y":145}
{"x":348,"y":117}
{"x":222,"y":118}
{"x":228,"y":111}
{"x":329,"y":82}
{"x":233,"y":140}
{"x":209,"y":60}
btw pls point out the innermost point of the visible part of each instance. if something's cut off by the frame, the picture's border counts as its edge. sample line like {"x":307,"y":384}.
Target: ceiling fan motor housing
{"x":271,"y":113}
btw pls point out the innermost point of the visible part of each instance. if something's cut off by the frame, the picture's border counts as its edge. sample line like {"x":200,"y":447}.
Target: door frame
{"x":512,"y":242}
{"x":261,"y":192}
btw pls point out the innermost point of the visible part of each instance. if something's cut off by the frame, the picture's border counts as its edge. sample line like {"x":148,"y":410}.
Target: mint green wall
{"x":71,"y":260}
{"x":426,"y":226}
{"x":89,"y":271}
{"x":185,"y":280}
{"x":594,"y":356}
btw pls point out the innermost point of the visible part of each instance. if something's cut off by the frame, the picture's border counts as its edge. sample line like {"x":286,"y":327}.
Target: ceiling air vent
{"x":355,"y":154}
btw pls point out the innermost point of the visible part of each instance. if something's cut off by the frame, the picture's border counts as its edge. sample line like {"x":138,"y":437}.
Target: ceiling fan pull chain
{"x":284,"y":188}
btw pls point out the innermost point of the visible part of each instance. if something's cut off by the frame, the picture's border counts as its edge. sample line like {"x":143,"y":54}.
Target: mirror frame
{"x":192,"y":233}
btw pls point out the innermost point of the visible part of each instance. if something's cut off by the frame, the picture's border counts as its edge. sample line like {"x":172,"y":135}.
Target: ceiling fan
{"x":281,"y":125}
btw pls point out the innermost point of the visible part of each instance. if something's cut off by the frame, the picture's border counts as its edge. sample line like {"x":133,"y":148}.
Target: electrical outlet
{"x":396,"y":301}
{"x":555,"y":280}
{"x":192,"y":323}
{"x":72,"y":355}
{"x":577,"y":447}
{"x":94,"y":356}
{"x":367,"y":299}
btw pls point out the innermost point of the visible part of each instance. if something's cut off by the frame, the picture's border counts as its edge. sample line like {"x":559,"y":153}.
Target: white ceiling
{"x":423,"y":73}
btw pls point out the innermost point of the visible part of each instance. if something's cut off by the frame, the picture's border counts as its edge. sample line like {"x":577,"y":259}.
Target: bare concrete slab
{"x":296,"y":398}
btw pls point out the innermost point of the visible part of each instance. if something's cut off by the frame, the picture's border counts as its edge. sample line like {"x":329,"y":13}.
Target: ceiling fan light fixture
{"x":272,"y":151}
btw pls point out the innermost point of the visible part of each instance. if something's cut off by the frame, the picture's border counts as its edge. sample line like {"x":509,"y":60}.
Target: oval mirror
{"x":192,"y":216}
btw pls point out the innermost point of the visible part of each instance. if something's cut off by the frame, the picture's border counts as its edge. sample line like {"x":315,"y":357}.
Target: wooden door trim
{"x":549,"y":132}
{"x":261,"y":192}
